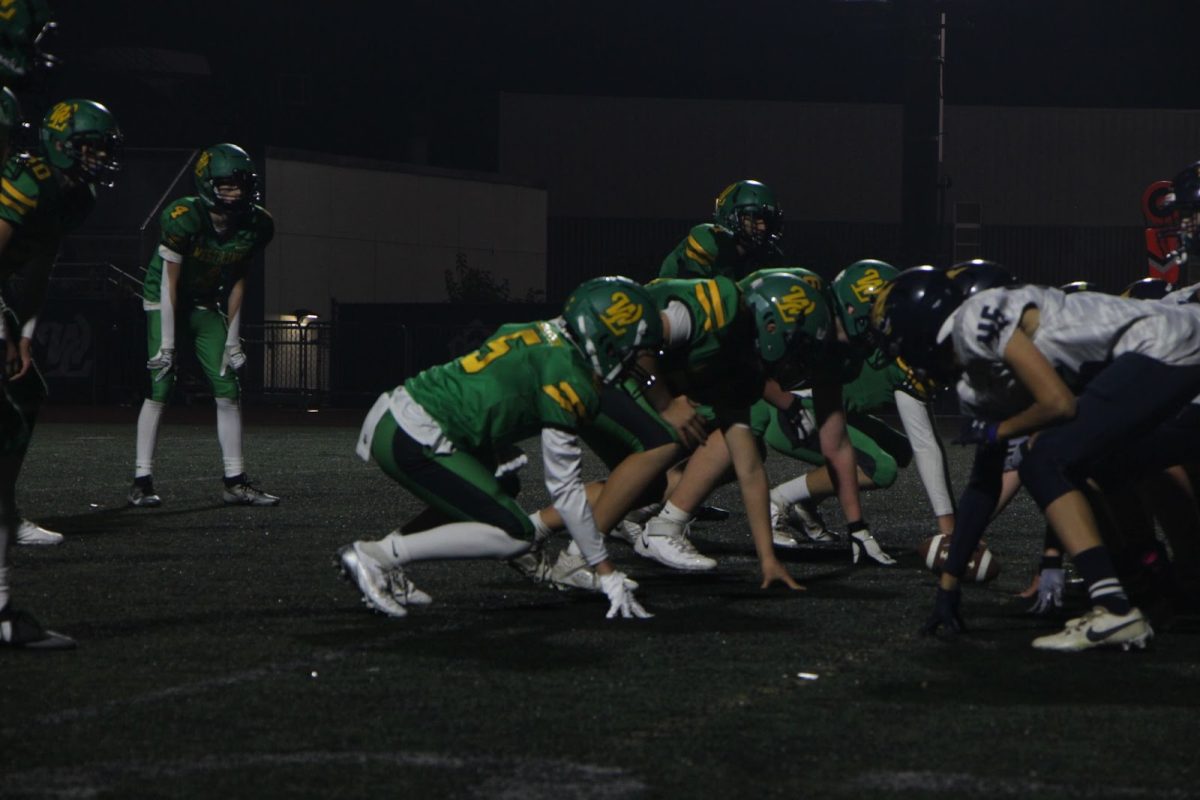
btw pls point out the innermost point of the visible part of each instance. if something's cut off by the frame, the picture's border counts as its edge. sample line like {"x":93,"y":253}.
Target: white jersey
{"x":1079,"y":334}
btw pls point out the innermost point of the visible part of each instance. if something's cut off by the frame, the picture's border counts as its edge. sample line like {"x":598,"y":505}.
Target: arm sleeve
{"x":927,"y":451}
{"x":562,"y":459}
{"x":166,"y":306}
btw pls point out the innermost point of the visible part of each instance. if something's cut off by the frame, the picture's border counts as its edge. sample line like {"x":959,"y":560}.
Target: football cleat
{"x":20,"y":629}
{"x":712,"y":514}
{"x":367,"y":574}
{"x":779,"y":536}
{"x":246,"y":494}
{"x":570,"y":571}
{"x":665,"y":542}
{"x":532,"y":565}
{"x":405,"y":591}
{"x":806,"y":517}
{"x":627,"y":531}
{"x":142,"y":495}
{"x":1099,"y":628}
{"x":30,"y":533}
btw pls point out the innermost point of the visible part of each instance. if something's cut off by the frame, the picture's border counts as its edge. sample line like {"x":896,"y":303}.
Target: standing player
{"x":43,"y":197}
{"x":437,"y":436}
{"x":207,"y":244}
{"x":744,"y":235}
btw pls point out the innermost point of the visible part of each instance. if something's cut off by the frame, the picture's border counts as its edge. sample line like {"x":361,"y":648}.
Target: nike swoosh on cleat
{"x":1092,"y":636}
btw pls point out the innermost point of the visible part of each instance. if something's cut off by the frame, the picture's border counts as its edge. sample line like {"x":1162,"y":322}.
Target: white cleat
{"x":368,"y":575}
{"x":665,"y":542}
{"x":404,"y":591}
{"x":30,"y":533}
{"x":806,"y":517}
{"x":532,"y":565}
{"x":779,"y":535}
{"x":570,"y":571}
{"x":627,"y":531}
{"x":1099,"y":628}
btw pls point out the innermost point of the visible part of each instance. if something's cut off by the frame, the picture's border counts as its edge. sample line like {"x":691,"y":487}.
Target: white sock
{"x":147,"y":437}
{"x":229,"y":434}
{"x":542,"y":530}
{"x":674,"y":513}
{"x":453,"y":540}
{"x":573,"y":549}
{"x":793,"y":491}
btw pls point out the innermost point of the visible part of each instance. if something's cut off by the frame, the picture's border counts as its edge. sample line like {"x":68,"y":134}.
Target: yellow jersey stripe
{"x":697,"y":253}
{"x":718,"y":306}
{"x":15,"y":206}
{"x":16,"y":193}
{"x":705,"y":304}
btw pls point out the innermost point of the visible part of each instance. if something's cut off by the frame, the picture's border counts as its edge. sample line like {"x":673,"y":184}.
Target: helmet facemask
{"x":97,"y":156}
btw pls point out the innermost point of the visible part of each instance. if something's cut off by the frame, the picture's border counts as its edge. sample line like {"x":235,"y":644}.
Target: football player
{"x":43,"y":197}
{"x":23,"y":26}
{"x":207,"y":245}
{"x":872,"y":383}
{"x":436,"y":435}
{"x":1071,"y":368}
{"x":788,"y":337}
{"x":744,"y":235}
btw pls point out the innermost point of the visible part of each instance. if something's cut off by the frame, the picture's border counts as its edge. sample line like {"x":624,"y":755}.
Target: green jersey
{"x":208,"y":260}
{"x":524,"y":378}
{"x":708,"y":251}
{"x":40,"y":209}
{"x":872,"y":388}
{"x":719,"y":365}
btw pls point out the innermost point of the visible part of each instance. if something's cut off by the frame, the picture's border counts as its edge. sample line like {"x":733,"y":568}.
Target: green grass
{"x":221,"y":656}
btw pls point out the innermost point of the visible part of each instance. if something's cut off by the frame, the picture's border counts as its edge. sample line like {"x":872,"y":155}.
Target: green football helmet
{"x":792,"y":320}
{"x":611,"y":320}
{"x":854,"y":291}
{"x":81,"y":138}
{"x":226,"y":165}
{"x":741,"y":206}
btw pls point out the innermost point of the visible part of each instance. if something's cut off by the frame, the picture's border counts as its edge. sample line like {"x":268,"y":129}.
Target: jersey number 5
{"x":496,"y":348}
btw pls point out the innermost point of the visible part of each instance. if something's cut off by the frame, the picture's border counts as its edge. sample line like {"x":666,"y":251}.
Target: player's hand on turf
{"x":620,"y":597}
{"x":24,"y":359}
{"x":945,"y":616}
{"x":977,"y":431}
{"x":1049,"y":591}
{"x":232,"y":357}
{"x":775,"y":571}
{"x":162,"y":363}
{"x":689,"y":426}
{"x":1032,"y":589}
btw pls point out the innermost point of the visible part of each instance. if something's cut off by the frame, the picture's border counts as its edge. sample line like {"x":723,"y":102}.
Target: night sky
{"x":364,"y":77}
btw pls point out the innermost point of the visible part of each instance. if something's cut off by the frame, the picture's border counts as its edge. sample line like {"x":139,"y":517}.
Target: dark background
{"x":417,"y":80}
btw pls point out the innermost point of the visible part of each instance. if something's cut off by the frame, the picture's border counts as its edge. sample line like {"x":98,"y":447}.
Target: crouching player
{"x":435,"y":436}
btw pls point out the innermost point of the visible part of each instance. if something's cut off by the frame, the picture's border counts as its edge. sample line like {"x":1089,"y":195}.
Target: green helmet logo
{"x":81,"y":138}
{"x":612,"y":319}
{"x":854,"y":292}
{"x":791,"y":319}
{"x":749,"y":209}
{"x":226,"y":179}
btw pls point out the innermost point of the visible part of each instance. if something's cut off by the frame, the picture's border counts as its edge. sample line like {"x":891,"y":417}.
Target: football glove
{"x":863,"y":543}
{"x":977,"y":431}
{"x":1049,"y":592}
{"x":620,"y":597}
{"x":162,"y":363}
{"x":945,"y":614}
{"x":232,"y":357}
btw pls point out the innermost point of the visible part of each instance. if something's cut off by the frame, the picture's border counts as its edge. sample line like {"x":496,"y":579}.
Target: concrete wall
{"x":354,"y":231}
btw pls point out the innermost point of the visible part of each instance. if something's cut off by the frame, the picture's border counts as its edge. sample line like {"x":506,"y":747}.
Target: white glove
{"x":863,"y":542}
{"x":621,"y":597}
{"x":162,"y":363}
{"x":232,"y":357}
{"x":1049,"y":592}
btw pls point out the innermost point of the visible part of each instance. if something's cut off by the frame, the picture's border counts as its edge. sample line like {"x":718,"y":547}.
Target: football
{"x":981,"y":567}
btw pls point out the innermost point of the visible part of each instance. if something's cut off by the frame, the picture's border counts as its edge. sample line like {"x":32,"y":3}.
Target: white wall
{"x":363,"y":234}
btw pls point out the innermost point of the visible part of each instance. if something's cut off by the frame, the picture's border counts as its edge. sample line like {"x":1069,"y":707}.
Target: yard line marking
{"x":907,"y":781}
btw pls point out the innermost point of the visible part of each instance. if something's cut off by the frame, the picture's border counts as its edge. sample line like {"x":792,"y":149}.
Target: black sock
{"x":143,"y":481}
{"x":1052,"y":562}
{"x":236,"y":480}
{"x":1104,"y":589}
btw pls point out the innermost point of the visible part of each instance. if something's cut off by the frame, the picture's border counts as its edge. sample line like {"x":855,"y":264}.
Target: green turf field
{"x":221,"y":656}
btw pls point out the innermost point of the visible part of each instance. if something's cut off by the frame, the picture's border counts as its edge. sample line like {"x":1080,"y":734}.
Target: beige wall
{"x":360,"y":234}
